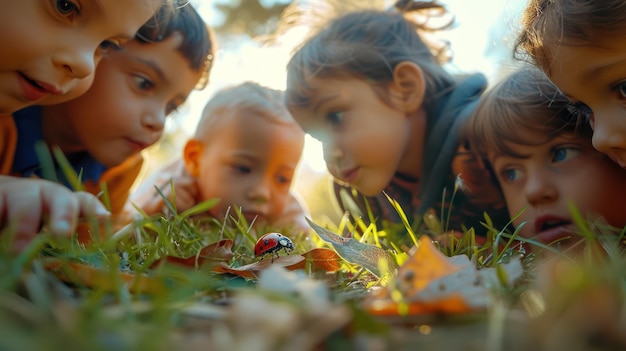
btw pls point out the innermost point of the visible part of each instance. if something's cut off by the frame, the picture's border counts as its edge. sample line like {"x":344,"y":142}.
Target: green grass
{"x":197,"y":307}
{"x":41,"y":311}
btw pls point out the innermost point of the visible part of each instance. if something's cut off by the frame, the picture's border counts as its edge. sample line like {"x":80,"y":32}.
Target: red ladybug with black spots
{"x":272,"y":243}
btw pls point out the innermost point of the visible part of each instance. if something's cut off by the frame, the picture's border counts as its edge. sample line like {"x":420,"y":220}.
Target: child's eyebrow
{"x":319,"y":102}
{"x":156,"y":68}
{"x":245,"y":154}
{"x":287,"y":168}
{"x":608,"y":65}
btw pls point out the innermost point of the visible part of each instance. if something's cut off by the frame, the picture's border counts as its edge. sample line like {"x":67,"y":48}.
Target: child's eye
{"x":621,"y":89}
{"x":560,"y":154}
{"x":242,"y":169}
{"x":66,"y":7}
{"x":283,"y":180}
{"x":510,"y":174}
{"x":143,"y":83}
{"x":108,"y":46}
{"x":335,"y":118}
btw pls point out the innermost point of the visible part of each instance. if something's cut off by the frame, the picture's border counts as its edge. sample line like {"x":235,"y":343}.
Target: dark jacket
{"x":445,"y":158}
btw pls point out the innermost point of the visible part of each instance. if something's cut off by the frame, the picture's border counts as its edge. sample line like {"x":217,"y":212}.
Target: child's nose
{"x":154,"y":120}
{"x":609,"y":133}
{"x":333,"y":152}
{"x":260,"y":190}
{"x":540,"y":189}
{"x":78,"y":64}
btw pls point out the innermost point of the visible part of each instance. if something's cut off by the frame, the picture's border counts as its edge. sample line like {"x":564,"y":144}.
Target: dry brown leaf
{"x":252,"y":270}
{"x":89,"y":276}
{"x":216,"y":253}
{"x":321,"y":258}
{"x":430,"y":282}
{"x":318,"y":258}
{"x":424,"y":266}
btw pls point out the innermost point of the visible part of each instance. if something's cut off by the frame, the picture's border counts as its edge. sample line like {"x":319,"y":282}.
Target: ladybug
{"x":271,"y":243}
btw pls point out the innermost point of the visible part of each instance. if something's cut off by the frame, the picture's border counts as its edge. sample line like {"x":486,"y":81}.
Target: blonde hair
{"x":248,"y":96}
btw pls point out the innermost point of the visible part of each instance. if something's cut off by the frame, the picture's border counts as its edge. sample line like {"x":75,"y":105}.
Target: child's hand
{"x":24,"y":203}
{"x":185,"y":192}
{"x":185,"y":195}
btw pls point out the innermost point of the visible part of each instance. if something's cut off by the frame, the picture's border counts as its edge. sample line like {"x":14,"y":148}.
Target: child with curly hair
{"x":541,"y":154}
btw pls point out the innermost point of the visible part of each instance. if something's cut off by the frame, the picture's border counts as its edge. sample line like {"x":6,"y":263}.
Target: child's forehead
{"x":259,"y":141}
{"x":305,"y":87}
{"x":252,"y":122}
{"x":124,"y":13}
{"x":250,"y":115}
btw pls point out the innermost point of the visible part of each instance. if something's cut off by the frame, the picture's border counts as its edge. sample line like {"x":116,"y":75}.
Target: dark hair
{"x":546,"y":23}
{"x":523,"y":103}
{"x":198,"y":45}
{"x":368,"y":44}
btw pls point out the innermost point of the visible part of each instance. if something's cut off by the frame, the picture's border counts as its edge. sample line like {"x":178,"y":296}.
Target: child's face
{"x":49,"y":47}
{"x":249,"y":163}
{"x":134,"y":90}
{"x":562,"y":171}
{"x":596,"y":77}
{"x":364,"y":139}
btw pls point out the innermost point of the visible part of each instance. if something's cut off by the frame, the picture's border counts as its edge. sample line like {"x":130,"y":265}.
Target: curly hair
{"x":546,"y":23}
{"x":516,"y":109}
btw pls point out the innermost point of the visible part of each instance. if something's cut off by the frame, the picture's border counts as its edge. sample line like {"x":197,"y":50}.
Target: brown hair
{"x":546,"y":23}
{"x":524,"y":103}
{"x":368,"y":44}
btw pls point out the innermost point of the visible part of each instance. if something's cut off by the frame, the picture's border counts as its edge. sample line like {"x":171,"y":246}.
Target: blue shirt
{"x":27,"y":163}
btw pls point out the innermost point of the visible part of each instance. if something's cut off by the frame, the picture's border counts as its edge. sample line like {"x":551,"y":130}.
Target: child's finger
{"x":66,"y":208}
{"x":89,"y":205}
{"x":63,"y":208}
{"x":22,"y":211}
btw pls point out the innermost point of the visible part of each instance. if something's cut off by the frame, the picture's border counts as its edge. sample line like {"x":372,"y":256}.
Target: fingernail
{"x":101,"y":211}
{"x":60,"y":227}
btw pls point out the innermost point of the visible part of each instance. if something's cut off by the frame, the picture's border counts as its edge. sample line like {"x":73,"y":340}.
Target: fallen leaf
{"x":353,"y":251}
{"x":430,"y":282}
{"x":215,"y":253}
{"x":321,"y":258}
{"x":252,"y":270}
{"x":424,"y":266}
{"x":82,"y":274}
{"x":318,"y":258}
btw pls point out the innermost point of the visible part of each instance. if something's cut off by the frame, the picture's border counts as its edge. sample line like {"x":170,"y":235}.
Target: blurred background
{"x":481,"y":41}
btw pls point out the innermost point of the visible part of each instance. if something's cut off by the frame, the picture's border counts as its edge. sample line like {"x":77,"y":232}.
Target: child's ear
{"x":192,"y":153}
{"x":408,"y":86}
